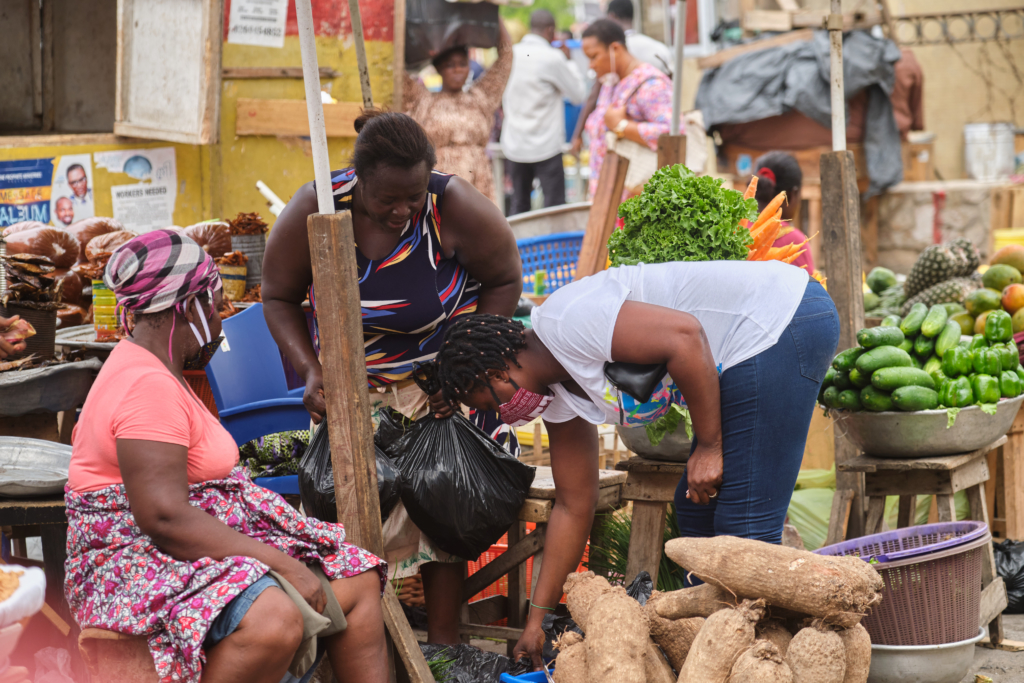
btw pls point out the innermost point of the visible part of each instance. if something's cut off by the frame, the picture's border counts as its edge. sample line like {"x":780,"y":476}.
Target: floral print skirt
{"x":119,"y":580}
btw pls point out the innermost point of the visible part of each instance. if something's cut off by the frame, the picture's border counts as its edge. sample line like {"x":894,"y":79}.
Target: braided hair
{"x":473,"y":345}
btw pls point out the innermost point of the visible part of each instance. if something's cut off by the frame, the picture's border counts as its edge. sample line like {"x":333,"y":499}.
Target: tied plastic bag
{"x":316,"y":480}
{"x":460,"y":487}
{"x":1010,"y":566}
{"x":466,"y":664}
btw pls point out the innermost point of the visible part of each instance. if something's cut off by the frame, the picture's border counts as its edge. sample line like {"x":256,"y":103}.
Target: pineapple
{"x":970,"y":258}
{"x":936,"y":263}
{"x":950,"y":291}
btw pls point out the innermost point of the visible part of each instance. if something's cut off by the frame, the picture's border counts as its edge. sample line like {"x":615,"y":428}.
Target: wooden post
{"x":603,"y":212}
{"x":364,"y":70}
{"x":398,"y":62}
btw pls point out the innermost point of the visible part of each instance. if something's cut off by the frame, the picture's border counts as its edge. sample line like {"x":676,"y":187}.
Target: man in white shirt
{"x":533,"y":130}
{"x":646,"y":49}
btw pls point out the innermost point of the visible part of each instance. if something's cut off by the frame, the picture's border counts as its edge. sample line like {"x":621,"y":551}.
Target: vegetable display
{"x":920,"y":362}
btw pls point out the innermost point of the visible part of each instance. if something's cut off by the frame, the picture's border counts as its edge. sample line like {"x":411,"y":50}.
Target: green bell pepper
{"x":986,"y":388}
{"x":1008,"y":359}
{"x":998,"y":327}
{"x":1014,"y":357}
{"x":1020,"y":373}
{"x":978,"y":341}
{"x":961,"y":393}
{"x":957,"y":361}
{"x":1009,"y":384}
{"x":986,"y":362}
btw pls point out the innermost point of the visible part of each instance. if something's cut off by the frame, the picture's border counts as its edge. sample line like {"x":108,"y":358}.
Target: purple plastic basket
{"x":900,"y":544}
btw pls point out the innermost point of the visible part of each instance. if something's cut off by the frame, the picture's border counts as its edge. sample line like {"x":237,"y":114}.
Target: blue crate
{"x":532,"y":677}
{"x":555,"y":254}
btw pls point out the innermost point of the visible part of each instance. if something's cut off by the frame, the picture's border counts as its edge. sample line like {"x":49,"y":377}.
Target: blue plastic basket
{"x":554,"y":254}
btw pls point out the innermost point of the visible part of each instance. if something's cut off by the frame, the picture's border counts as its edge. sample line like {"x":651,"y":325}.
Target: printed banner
{"x":147,"y":205}
{"x":257,"y":22}
{"x":55,"y":191}
{"x":71,"y":199}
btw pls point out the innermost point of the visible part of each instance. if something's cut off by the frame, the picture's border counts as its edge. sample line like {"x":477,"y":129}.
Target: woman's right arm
{"x":287,"y":275}
{"x":155,"y":477}
{"x":492,"y":84}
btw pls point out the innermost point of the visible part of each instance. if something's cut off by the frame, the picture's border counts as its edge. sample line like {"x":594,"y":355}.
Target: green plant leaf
{"x":951,"y":414}
{"x":668,"y":423}
{"x":988,"y":408}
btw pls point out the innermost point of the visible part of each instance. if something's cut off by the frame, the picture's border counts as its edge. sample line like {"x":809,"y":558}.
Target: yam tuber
{"x":840,"y":589}
{"x":674,"y":636}
{"x":571,"y":663}
{"x":581,"y":589}
{"x":776,"y":633}
{"x":656,"y":668}
{"x":697,"y":601}
{"x":761,"y":664}
{"x":617,"y":638}
{"x":817,"y":655}
{"x":857,"y":644}
{"x":724,"y":637}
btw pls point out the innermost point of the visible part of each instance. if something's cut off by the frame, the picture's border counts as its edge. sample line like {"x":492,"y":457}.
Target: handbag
{"x":635,"y":379}
{"x":642,"y":161}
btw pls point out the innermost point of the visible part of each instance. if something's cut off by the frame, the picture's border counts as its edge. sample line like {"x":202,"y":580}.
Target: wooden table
{"x":650,"y":485}
{"x":941,"y":477}
{"x":521,"y":547}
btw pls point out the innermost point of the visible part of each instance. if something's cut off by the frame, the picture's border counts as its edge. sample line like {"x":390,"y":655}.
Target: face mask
{"x":611,"y":78}
{"x":524,"y":406}
{"x":207,"y":347}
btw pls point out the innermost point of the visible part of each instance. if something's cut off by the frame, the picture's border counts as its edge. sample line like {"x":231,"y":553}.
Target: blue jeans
{"x":767,"y":403}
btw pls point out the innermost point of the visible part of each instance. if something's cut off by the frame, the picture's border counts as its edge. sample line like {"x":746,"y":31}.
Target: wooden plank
{"x":1017,"y":208}
{"x":788,"y":5}
{"x":866,"y":463}
{"x":608,"y":498}
{"x":993,"y":458}
{"x":517,"y":602}
{"x":488,"y":610}
{"x":908,"y":506}
{"x":672,"y":150}
{"x":946,"y":508}
{"x":869,"y":232}
{"x":722,"y":56}
{"x":49,"y":100}
{"x":66,"y":424}
{"x":543,"y":485}
{"x":842,"y":250}
{"x":979,"y":513}
{"x":36,"y":426}
{"x":538,"y":561}
{"x":290,"y":118}
{"x":839,"y":519}
{"x":32,"y":512}
{"x":969,"y":475}
{"x":403,"y":638}
{"x":767,"y":20}
{"x":993,"y":602}
{"x":651,"y":487}
{"x":504,"y":563}
{"x":924,"y":482}
{"x":1011,"y":492}
{"x":1005,"y":645}
{"x":536,"y":510}
{"x":271,"y":72}
{"x":35,"y":32}
{"x":398,"y":59}
{"x":639,"y":464}
{"x":816,"y":20}
{"x":603,"y":212}
{"x":646,"y":539}
{"x":496,"y":632}
{"x":876,"y":513}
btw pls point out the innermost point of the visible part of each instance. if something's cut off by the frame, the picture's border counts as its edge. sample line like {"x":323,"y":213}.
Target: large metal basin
{"x":924,"y":433}
{"x":31,"y":467}
{"x":675,"y":447}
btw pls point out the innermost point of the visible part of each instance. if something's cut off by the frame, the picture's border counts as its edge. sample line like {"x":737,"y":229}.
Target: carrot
{"x":794,"y":257}
{"x":751,"y":189}
{"x":755,"y":231}
{"x":763,"y":242}
{"x":773,"y":206}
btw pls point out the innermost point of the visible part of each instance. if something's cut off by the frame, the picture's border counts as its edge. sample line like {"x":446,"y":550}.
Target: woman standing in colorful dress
{"x":459,"y":122}
{"x":429,"y":248}
{"x":635,"y":101}
{"x":780,"y":172}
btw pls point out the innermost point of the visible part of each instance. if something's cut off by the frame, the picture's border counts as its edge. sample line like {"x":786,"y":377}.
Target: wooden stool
{"x":1005,"y":489}
{"x":650,"y":485}
{"x":116,"y":658}
{"x":940,"y":477}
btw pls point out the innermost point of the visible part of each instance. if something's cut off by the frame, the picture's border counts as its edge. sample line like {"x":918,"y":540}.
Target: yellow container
{"x":1006,"y":237}
{"x":104,"y":312}
{"x":233,"y":278}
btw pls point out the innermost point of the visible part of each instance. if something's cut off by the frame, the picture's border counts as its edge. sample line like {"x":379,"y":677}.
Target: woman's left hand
{"x":531,"y":646}
{"x":704,"y":473}
{"x":613,"y":116}
{"x":440,"y":406}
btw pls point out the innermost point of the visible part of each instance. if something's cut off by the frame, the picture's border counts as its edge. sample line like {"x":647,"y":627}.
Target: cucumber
{"x":911,"y":325}
{"x":842,"y":380}
{"x":859,"y":380}
{"x":907,"y":345}
{"x":890,"y":379}
{"x":846,"y":360}
{"x":932,"y":366}
{"x":916,"y":363}
{"x":849,"y":400}
{"x":934,"y":321}
{"x":831,"y":397}
{"x":948,"y":338}
{"x":953,"y":308}
{"x":911,"y":398}
{"x":924,"y":346}
{"x":825,"y":384}
{"x":871,"y":337}
{"x":883,"y":357}
{"x":891,"y":321}
{"x":874,"y":400}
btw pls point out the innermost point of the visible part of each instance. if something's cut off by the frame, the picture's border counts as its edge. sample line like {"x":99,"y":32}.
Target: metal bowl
{"x":675,"y":447}
{"x":922,"y":434}
{"x":31,"y":467}
{"x":947,"y":663}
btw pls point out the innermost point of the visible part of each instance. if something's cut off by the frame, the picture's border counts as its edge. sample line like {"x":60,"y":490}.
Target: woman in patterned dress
{"x":168,"y":538}
{"x":429,"y":248}
{"x":459,"y":122}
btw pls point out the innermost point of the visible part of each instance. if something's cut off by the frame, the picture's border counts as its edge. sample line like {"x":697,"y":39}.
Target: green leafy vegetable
{"x":988,"y":408}
{"x":951,"y":414}
{"x":668,"y":423}
{"x":682,"y":217}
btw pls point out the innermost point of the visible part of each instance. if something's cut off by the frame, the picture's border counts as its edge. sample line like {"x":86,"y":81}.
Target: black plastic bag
{"x":472,"y":665}
{"x":316,"y":480}
{"x":1010,"y":566}
{"x":641,"y":588}
{"x":433,"y":26}
{"x":459,"y":486}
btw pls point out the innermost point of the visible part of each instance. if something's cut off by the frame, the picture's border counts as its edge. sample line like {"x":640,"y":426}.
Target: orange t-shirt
{"x":136,"y":397}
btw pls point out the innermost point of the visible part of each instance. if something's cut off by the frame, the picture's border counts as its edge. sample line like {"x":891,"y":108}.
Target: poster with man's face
{"x":71,"y":198}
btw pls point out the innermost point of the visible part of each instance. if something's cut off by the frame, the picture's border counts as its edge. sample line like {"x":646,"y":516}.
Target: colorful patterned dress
{"x":407,"y":300}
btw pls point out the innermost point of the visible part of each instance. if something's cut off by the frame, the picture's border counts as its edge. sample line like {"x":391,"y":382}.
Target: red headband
{"x":767,"y":174}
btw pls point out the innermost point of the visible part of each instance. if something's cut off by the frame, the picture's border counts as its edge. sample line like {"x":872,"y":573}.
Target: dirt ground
{"x":1001,"y":667}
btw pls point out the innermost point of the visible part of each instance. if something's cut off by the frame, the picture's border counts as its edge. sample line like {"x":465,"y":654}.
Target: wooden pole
{"x":398,"y":63}
{"x":353,"y":458}
{"x":364,"y":70}
{"x":672,"y":147}
{"x":840,"y":202}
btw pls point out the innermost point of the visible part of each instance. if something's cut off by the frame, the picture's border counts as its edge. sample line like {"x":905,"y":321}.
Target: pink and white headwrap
{"x":159,"y":270}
